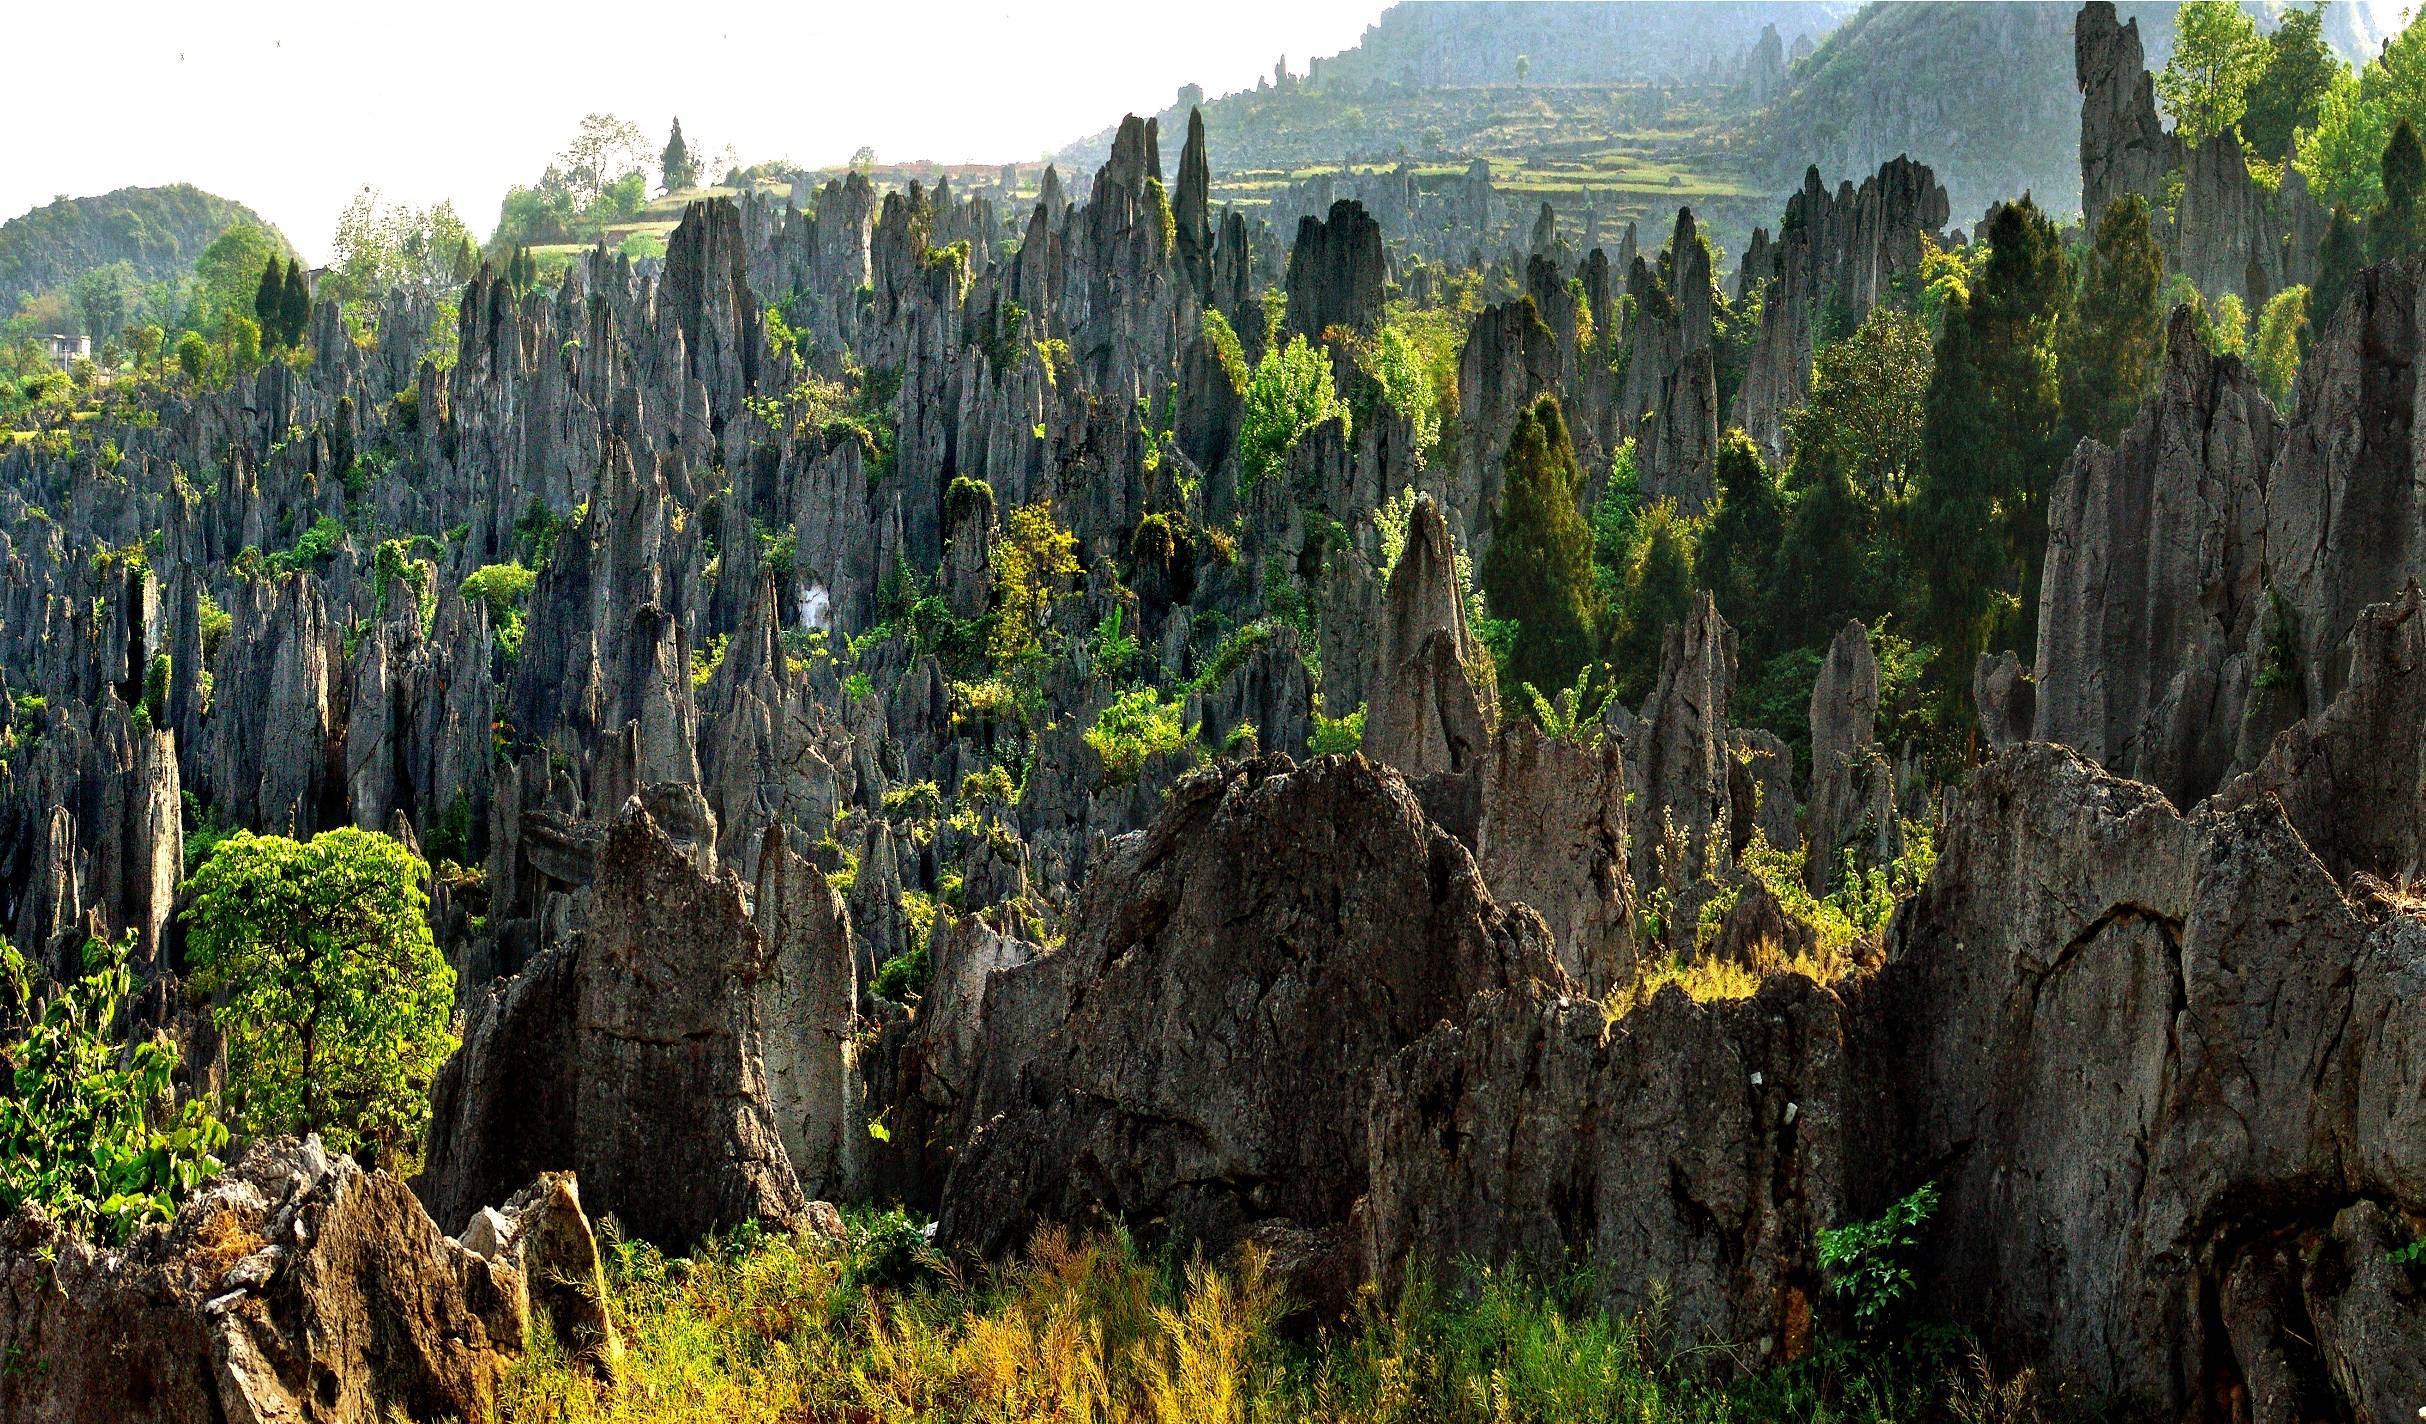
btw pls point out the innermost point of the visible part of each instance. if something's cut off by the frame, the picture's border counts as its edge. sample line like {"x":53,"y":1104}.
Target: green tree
{"x":1863,"y":418}
{"x":294,"y":305}
{"x":145,"y":343}
{"x":2290,"y":85}
{"x":1289,"y":394}
{"x":676,"y":165}
{"x":1740,"y":538}
{"x":2400,"y":228}
{"x":604,"y":149}
{"x":193,"y":355}
{"x":2339,"y":256}
{"x":243,"y":343}
{"x":2282,"y":340}
{"x":90,"y":1130}
{"x":1655,"y":593}
{"x":1993,"y":431}
{"x":106,"y":297}
{"x":228,"y":276}
{"x":2342,"y":156}
{"x":1539,"y":568}
{"x":2113,"y":347}
{"x":269,"y":301}
{"x":2217,"y":55}
{"x":333,"y":999}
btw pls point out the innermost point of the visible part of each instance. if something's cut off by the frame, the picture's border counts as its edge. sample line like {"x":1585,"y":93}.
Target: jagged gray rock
{"x":1852,"y":787}
{"x":1363,"y":925}
{"x":669,"y":1052}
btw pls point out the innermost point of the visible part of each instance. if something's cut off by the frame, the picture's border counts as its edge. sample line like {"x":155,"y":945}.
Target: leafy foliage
{"x":2113,"y":348}
{"x":2357,"y":111}
{"x":1289,"y":394}
{"x":1993,"y":433}
{"x":2281,"y":340}
{"x":333,"y":998}
{"x":759,"y":1327}
{"x":1139,"y":724}
{"x":2218,"y":55}
{"x":1034,"y":560}
{"x":1869,"y":1263}
{"x":90,"y":1130}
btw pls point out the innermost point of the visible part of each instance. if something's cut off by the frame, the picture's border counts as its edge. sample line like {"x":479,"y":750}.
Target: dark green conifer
{"x":1539,"y":569}
{"x":2113,"y":348}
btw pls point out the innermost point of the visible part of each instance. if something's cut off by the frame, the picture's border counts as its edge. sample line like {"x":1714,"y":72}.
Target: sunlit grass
{"x":796,"y":1329}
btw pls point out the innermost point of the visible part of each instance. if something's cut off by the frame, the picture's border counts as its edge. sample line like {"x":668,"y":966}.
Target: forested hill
{"x":160,"y":231}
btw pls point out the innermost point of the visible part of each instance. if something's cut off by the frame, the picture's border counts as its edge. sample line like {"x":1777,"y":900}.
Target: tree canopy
{"x":333,"y":997}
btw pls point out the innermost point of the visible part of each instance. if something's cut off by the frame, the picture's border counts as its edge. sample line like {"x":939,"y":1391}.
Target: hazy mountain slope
{"x":1982,"y":92}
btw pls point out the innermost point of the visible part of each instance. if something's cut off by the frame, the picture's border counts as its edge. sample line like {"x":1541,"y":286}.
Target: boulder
{"x":1553,"y":838}
{"x":2139,"y":1050}
{"x":296,"y":1286}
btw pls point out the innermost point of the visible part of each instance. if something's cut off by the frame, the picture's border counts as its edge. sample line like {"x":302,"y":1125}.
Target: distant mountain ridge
{"x":1982,"y":91}
{"x":159,"y":231}
{"x":1476,"y":44}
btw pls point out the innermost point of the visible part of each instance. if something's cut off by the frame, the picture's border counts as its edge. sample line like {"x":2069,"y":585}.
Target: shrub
{"x":1289,"y":394}
{"x":91,"y":1131}
{"x":1337,"y":736}
{"x":1138,"y":725}
{"x":1869,"y":1263}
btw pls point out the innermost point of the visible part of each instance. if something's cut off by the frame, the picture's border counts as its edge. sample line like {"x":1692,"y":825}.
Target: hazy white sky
{"x":290,"y":106}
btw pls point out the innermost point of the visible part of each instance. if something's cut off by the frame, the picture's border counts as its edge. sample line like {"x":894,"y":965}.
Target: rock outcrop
{"x":1835,"y":257}
{"x":2202,"y":579}
{"x":1852,"y":787}
{"x":672,"y":1051}
{"x":2124,"y":146}
{"x":1689,"y":1151}
{"x":2152,"y":1060}
{"x":1288,"y":916}
{"x":296,"y":1286}
{"x":1424,"y":715}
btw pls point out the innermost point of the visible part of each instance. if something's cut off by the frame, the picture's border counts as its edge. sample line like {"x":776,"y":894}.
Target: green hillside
{"x":159,"y":231}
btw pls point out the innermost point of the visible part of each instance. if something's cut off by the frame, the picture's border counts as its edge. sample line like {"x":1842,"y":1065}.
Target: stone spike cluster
{"x":702,"y":765}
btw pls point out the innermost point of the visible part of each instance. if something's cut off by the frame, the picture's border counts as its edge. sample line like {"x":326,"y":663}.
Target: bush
{"x":91,"y":1131}
{"x":333,"y":998}
{"x":1289,"y":394}
{"x":1138,"y":725}
{"x":1869,"y":1263}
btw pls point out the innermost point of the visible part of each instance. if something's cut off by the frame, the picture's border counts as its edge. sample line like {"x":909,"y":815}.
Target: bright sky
{"x":291,"y":105}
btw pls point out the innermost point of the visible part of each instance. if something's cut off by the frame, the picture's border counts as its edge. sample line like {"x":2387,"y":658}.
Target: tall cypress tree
{"x":295,"y":304}
{"x":676,"y":165}
{"x":2339,"y":256}
{"x":2400,"y":228}
{"x":1539,"y":569}
{"x":2113,"y":347}
{"x":1953,"y":502}
{"x":266,"y":298}
{"x":1994,"y":436}
{"x":1739,"y":550}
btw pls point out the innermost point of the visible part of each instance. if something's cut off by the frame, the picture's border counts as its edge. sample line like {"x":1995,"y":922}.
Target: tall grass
{"x":1079,"y":1330}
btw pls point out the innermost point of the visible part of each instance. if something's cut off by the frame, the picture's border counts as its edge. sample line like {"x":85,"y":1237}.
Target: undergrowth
{"x":767,"y":1328}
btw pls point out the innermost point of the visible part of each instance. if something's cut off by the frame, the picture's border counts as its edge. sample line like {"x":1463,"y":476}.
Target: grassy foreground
{"x":757,"y":1328}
